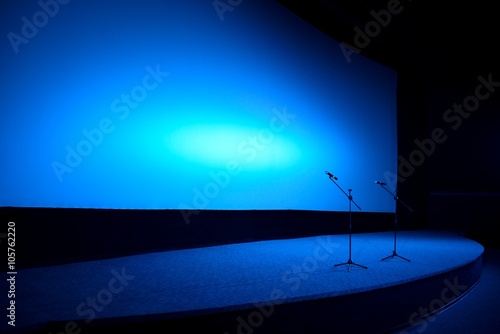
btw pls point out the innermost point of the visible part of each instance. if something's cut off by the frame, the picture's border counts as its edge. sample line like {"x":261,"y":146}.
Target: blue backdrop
{"x":188,"y":104}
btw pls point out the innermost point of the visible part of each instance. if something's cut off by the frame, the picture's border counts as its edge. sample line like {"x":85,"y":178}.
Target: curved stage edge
{"x":300,"y":285}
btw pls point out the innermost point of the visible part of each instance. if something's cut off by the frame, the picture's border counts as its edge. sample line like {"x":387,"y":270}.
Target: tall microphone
{"x":381,"y":183}
{"x":331,"y":175}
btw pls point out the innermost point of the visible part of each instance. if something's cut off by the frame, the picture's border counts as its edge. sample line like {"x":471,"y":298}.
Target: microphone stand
{"x":396,"y":198}
{"x":349,"y":262}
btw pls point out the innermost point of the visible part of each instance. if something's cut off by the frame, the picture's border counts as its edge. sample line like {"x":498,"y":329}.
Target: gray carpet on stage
{"x":235,"y":276}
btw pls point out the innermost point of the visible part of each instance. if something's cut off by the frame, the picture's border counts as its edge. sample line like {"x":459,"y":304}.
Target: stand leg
{"x":394,"y":253}
{"x":349,"y":262}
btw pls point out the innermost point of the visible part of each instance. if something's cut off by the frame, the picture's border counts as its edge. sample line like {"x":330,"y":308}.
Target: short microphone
{"x":381,"y":183}
{"x":331,"y":175}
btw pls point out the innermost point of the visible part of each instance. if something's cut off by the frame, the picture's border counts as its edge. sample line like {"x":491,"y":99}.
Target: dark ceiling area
{"x":429,"y":36}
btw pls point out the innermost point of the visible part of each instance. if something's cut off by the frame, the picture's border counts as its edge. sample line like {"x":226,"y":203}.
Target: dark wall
{"x":50,"y":236}
{"x":469,"y":159}
{"x":412,"y":172}
{"x":463,"y":178}
{"x":449,"y":149}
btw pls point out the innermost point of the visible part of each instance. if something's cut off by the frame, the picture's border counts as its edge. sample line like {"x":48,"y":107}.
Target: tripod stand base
{"x":394,"y":254}
{"x":349,"y":263}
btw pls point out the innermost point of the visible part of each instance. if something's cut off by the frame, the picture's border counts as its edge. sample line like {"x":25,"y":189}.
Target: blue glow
{"x":163,"y":105}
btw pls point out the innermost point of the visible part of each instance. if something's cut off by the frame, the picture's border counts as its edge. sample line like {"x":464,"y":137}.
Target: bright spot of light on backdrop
{"x":174,"y":105}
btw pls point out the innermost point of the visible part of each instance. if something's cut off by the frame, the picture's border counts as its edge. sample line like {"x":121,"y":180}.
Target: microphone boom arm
{"x":331,"y":177}
{"x":382,"y":184}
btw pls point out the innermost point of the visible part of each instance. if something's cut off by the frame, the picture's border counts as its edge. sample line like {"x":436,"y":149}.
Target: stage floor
{"x":235,"y":277}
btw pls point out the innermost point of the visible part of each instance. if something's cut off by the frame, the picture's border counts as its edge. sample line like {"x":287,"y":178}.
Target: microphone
{"x":381,"y":183}
{"x":331,"y":175}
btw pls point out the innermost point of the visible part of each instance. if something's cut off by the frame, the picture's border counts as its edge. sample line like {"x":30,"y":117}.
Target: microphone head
{"x":331,"y":175}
